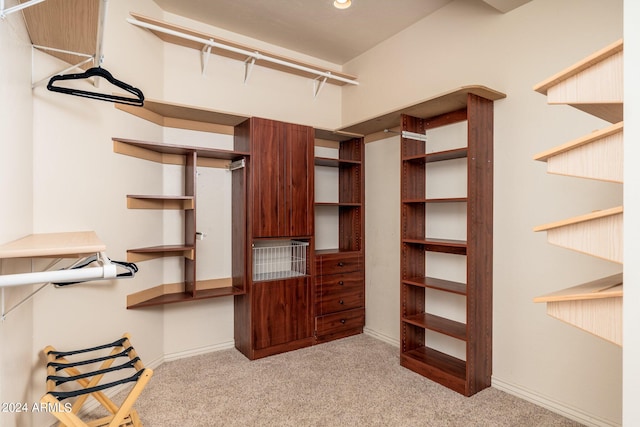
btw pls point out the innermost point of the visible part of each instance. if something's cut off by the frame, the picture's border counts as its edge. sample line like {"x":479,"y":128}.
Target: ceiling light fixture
{"x":342,"y":4}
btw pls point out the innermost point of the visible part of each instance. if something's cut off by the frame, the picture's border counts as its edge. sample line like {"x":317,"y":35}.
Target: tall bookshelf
{"x":470,"y":373}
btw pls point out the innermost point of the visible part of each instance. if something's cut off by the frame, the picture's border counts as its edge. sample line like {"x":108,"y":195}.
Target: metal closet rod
{"x":249,"y":54}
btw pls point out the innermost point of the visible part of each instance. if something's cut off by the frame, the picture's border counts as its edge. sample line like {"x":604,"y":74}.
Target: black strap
{"x":61,"y":395}
{"x":60,"y":354}
{"x":61,"y":380}
{"x":61,"y":365}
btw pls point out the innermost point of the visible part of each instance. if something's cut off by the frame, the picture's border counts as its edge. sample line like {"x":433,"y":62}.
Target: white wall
{"x":466,"y":43}
{"x":16,"y":207}
{"x":79,"y":183}
{"x":631,"y":352}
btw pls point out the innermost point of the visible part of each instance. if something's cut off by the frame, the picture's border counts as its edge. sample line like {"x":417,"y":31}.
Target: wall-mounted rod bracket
{"x":409,"y":135}
{"x":204,"y":57}
{"x":318,"y":84}
{"x":248,"y":67}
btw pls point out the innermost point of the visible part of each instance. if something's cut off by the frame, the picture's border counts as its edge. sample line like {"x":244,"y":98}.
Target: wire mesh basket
{"x":279,"y":259}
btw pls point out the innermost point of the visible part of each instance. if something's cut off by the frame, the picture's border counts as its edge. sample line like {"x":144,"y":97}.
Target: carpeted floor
{"x":356,"y":381}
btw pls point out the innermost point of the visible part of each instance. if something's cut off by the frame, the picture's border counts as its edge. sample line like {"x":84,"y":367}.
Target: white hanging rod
{"x":4,"y":12}
{"x":257,"y":55}
{"x":106,"y":271}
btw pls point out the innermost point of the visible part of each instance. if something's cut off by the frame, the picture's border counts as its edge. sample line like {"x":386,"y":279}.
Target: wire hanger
{"x":137,"y":100}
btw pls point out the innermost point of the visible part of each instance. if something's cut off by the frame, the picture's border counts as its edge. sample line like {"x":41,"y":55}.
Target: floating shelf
{"x":175,"y":154}
{"x":53,"y":245}
{"x":595,"y":307}
{"x":152,"y":252}
{"x":173,"y":115}
{"x":593,"y":85}
{"x":175,"y":293}
{"x":598,"y":234}
{"x":595,"y":156}
{"x":160,"y":202}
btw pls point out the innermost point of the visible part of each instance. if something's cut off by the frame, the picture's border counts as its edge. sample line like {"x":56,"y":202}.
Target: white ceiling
{"x":313,"y":27}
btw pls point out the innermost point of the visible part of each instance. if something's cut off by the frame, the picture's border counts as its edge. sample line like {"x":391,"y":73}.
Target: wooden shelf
{"x":240,"y":57}
{"x":338,"y":204}
{"x":175,"y":154}
{"x":435,"y":106}
{"x":438,"y":156}
{"x":53,"y":245}
{"x":598,"y":233}
{"x":173,"y":115}
{"x":336,"y":163}
{"x":160,"y":202}
{"x":438,"y":284}
{"x":437,"y":200}
{"x":607,"y":287}
{"x":458,"y":247}
{"x":598,"y":155}
{"x":443,"y":368}
{"x":152,"y":252}
{"x":174,"y":293}
{"x":438,"y":324}
{"x":593,"y":85}
{"x":70,"y":25}
{"x":595,"y":307}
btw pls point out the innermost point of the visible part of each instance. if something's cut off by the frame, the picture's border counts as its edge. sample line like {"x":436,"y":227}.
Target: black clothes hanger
{"x":131,"y":268}
{"x":137,"y":100}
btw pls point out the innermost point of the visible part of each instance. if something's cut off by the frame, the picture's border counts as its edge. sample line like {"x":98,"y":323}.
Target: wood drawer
{"x":340,"y":302}
{"x":338,"y":322}
{"x":337,"y":283}
{"x":339,"y":263}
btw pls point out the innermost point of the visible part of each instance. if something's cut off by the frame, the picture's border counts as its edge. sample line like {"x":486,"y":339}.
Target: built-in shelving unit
{"x":419,"y":318}
{"x":339,"y":288}
{"x":189,"y":157}
{"x":595,"y":86}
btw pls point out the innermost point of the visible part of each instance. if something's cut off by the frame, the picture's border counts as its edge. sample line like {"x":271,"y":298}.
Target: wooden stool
{"x":89,"y":381}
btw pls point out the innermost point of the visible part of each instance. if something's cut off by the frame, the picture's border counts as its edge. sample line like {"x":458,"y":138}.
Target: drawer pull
{"x":341,"y":264}
{"x":343,"y":321}
{"x":341,"y":302}
{"x":341,"y":283}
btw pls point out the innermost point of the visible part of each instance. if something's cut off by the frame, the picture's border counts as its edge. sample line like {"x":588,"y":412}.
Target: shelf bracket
{"x":205,"y":55}
{"x":88,"y":58}
{"x":248,"y":67}
{"x":318,"y":84}
{"x":238,"y":164}
{"x":4,"y":12}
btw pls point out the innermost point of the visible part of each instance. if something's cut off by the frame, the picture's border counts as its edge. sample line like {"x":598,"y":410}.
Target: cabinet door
{"x":282,"y":179}
{"x":282,"y":312}
{"x":298,"y":149}
{"x":268,"y":178}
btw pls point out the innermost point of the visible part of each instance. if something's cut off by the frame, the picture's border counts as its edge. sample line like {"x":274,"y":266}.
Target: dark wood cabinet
{"x":282,"y":178}
{"x":276,"y":314}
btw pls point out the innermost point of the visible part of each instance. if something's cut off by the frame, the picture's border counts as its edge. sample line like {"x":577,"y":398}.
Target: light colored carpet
{"x":356,"y":381}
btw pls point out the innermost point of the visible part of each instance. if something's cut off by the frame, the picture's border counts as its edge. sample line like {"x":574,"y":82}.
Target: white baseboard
{"x":198,"y":351}
{"x":551,"y":404}
{"x":524,"y":393}
{"x":382,"y":337}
